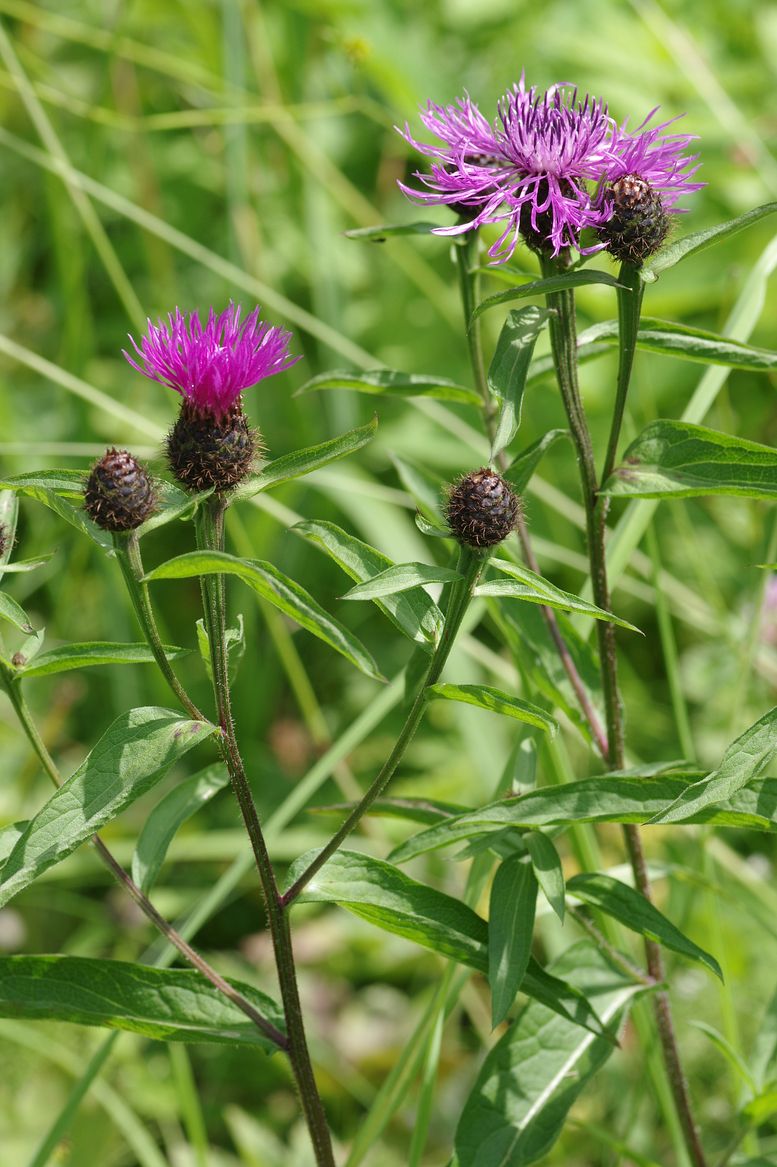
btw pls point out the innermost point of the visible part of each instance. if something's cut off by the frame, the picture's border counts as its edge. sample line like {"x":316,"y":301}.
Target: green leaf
{"x":14,"y":614}
{"x":389,"y":383}
{"x":691,"y":244}
{"x":24,"y":565}
{"x":160,"y":828}
{"x":401,"y":578}
{"x":575,"y":279}
{"x":509,"y":367}
{"x":9,"y":837}
{"x":432,"y":529}
{"x":301,"y":462}
{"x":272,"y":585}
{"x":745,"y":759}
{"x":522,"y":467}
{"x":631,"y":909}
{"x":55,"y":489}
{"x":380,"y":233}
{"x":171,"y":503}
{"x":606,"y":799}
{"x":679,"y":460}
{"x":535,"y":589}
{"x":415,"y":614}
{"x":96,"y":652}
{"x":378,"y":892}
{"x":690,"y":344}
{"x":546,"y":862}
{"x":132,"y":755}
{"x":496,"y":702}
{"x":235,"y":642}
{"x":166,"y":1004}
{"x":532,"y":1076}
{"x":68,"y":483}
{"x":9,"y":514}
{"x":510,"y":927}
{"x":427,"y":489}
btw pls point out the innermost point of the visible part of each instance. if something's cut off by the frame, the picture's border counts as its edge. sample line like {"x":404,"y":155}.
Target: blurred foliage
{"x":170,"y":153}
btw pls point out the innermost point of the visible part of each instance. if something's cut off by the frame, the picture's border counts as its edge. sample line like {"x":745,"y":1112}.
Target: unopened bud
{"x":639,"y":223}
{"x":482,"y":509}
{"x":118,"y":495}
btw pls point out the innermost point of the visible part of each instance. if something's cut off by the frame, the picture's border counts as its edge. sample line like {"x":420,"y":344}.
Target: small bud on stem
{"x":118,"y":494}
{"x":482,"y":509}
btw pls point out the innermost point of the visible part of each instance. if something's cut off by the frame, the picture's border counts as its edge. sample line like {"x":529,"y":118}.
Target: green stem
{"x":470,"y":566}
{"x":466,"y":254}
{"x":13,"y":688}
{"x":131,"y":564}
{"x":211,"y":535}
{"x":564,"y":348}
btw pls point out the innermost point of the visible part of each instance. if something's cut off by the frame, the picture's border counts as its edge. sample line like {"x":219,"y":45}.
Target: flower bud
{"x":207,"y":449}
{"x":118,"y":495}
{"x":639,"y":222}
{"x":482,"y":509}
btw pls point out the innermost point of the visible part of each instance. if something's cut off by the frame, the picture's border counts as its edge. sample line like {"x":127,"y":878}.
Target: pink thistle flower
{"x":528,"y":172}
{"x":211,"y":365}
{"x":656,"y":158}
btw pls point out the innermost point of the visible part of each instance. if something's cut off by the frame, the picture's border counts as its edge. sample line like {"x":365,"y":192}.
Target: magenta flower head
{"x":529,"y":173}
{"x":210,"y":366}
{"x":211,"y":445}
{"x":648,"y":174}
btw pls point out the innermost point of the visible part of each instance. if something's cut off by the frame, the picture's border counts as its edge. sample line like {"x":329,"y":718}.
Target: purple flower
{"x":210,"y":366}
{"x":656,"y":158}
{"x":528,"y":173}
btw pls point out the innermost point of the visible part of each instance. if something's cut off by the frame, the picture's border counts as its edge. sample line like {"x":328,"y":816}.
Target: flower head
{"x":528,"y":172}
{"x":211,"y":365}
{"x":118,"y":494}
{"x":656,"y":158}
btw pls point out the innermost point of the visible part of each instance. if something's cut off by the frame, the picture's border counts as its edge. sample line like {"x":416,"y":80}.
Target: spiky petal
{"x":528,"y":172}
{"x":657,"y":158}
{"x":210,"y":365}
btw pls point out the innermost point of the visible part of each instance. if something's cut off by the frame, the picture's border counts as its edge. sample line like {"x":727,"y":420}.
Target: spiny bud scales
{"x":118,"y":494}
{"x":482,"y":508}
{"x":207,"y":449}
{"x":639,"y":222}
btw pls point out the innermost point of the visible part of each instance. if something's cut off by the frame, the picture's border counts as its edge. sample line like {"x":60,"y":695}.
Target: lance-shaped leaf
{"x":166,"y":1004}
{"x":415,"y":614}
{"x":546,"y":862}
{"x":14,"y":614}
{"x":689,"y":344}
{"x":575,"y":279}
{"x":389,"y":383}
{"x":401,"y":577}
{"x":9,"y":837}
{"x":495,"y":701}
{"x":378,"y":892}
{"x":596,"y":800}
{"x":510,"y":926}
{"x":9,"y":513}
{"x":171,"y":503}
{"x":160,"y":828}
{"x":699,"y":240}
{"x":21,"y":566}
{"x":283,"y":593}
{"x":520,"y":470}
{"x":301,"y":462}
{"x":132,"y":755}
{"x":509,"y":367}
{"x":96,"y":652}
{"x":535,"y":589}
{"x":383,"y":231}
{"x":532,"y":1076}
{"x":679,"y":460}
{"x":744,"y":760}
{"x":631,"y":909}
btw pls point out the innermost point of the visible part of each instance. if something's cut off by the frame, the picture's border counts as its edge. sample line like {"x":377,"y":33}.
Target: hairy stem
{"x":470,"y":566}
{"x":564,"y":347}
{"x":466,"y":254}
{"x":211,"y":535}
{"x":131,"y":564}
{"x":13,"y":688}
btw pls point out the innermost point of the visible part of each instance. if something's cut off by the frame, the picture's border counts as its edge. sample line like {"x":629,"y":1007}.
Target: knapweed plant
{"x":553,"y":179}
